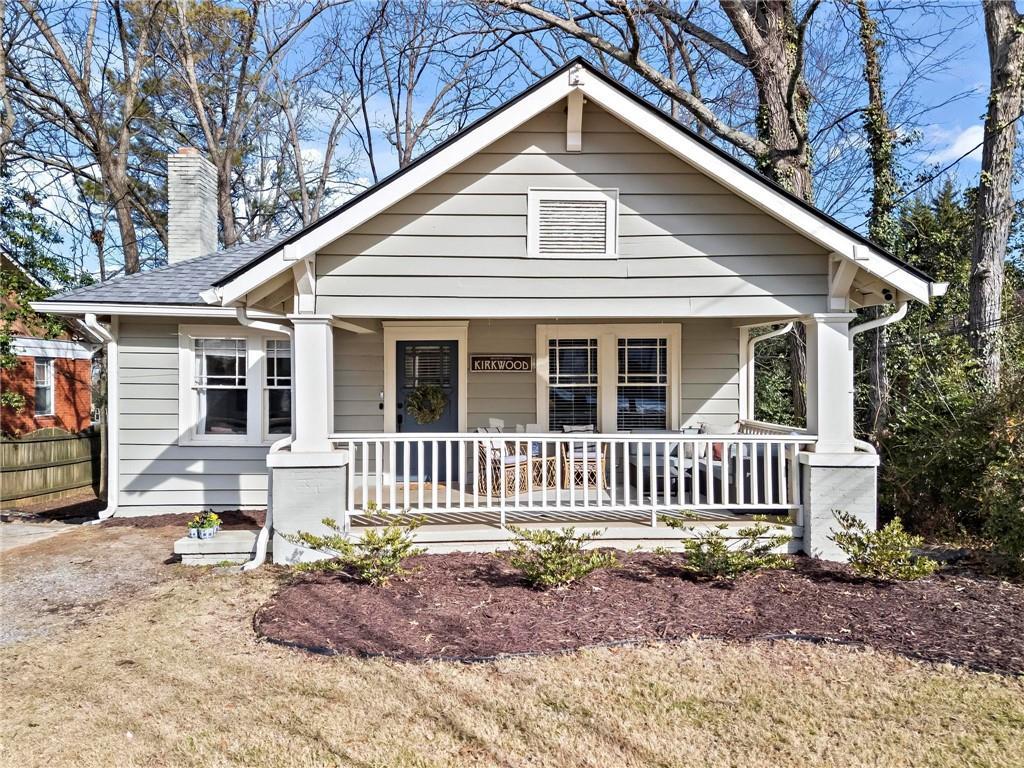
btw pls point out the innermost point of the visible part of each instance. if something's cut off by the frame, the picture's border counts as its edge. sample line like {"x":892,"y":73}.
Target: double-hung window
{"x":236,"y":386}
{"x":642,"y":392}
{"x":614,"y":377}
{"x":44,"y":386}
{"x":221,"y":385}
{"x":278,"y":387}
{"x":573,"y":379}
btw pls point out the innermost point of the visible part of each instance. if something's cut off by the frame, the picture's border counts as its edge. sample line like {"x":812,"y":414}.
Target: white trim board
{"x":644,"y":119}
{"x":26,"y":346}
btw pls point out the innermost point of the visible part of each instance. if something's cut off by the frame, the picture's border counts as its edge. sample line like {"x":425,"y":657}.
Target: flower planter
{"x":193,"y":533}
{"x":207,"y":533}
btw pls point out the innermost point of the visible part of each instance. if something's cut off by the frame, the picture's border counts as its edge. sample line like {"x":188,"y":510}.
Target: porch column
{"x":834,"y":476}
{"x":830,"y":381}
{"x":313,"y":383}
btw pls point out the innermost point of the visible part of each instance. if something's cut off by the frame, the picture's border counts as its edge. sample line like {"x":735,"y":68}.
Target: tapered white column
{"x":313,"y":383}
{"x":830,"y":381}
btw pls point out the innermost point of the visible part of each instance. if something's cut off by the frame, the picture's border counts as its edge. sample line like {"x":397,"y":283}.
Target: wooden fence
{"x":49,"y":462}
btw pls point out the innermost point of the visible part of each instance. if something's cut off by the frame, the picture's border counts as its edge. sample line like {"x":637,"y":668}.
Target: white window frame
{"x":255,"y":381}
{"x":266,"y":387}
{"x":611,"y":198}
{"x":608,"y":335}
{"x":48,"y":367}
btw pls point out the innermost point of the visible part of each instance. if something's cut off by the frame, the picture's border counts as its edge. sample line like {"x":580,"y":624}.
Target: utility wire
{"x":950,"y":165}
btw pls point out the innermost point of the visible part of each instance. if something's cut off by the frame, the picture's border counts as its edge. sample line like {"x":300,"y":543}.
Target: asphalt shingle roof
{"x":179,"y":283}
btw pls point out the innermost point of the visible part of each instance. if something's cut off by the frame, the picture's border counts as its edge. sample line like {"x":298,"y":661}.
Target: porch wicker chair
{"x":498,"y":463}
{"x":581,"y":464}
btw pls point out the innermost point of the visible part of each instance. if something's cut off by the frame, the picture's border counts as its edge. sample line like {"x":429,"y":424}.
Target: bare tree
{"x":81,"y":76}
{"x":223,"y":62}
{"x":421,"y":72}
{"x":1004,"y":28}
{"x":883,"y":227}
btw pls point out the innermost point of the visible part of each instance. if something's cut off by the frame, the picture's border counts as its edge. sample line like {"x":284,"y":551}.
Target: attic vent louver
{"x":572,"y":226}
{"x":572,"y":223}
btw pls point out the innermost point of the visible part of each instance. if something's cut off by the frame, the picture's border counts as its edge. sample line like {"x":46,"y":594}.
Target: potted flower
{"x":209,"y":524}
{"x":193,"y":526}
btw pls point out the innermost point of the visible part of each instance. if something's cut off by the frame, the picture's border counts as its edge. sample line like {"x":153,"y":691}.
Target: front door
{"x":427,"y":400}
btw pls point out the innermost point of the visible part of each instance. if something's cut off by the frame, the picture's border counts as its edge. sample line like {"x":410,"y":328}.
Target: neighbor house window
{"x":44,"y":386}
{"x":642,"y":396}
{"x":573,"y":223}
{"x":278,"y":386}
{"x":221,"y":387}
{"x":234,"y":389}
{"x":572,"y":383}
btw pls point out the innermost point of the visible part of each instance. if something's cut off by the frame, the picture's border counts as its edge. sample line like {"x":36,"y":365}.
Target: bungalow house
{"x":547,"y":319}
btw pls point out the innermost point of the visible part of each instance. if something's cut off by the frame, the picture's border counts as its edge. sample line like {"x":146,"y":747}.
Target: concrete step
{"x":236,"y":546}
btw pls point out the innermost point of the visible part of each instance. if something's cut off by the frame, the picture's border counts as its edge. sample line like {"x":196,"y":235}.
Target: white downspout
{"x":899,"y":314}
{"x":879,"y":322}
{"x":753,"y":368}
{"x":263,"y":538}
{"x":109,"y":340}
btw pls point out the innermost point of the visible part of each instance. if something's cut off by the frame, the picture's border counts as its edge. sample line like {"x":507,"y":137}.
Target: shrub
{"x":882,"y":554}
{"x":711,"y":555}
{"x":1003,"y":499}
{"x":374,"y":558}
{"x":555,"y":557}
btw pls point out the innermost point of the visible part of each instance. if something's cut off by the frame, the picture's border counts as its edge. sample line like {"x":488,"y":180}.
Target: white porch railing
{"x":567,"y":474}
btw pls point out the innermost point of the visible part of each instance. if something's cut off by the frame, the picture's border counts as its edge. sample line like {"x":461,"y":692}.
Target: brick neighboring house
{"x":53,"y":375}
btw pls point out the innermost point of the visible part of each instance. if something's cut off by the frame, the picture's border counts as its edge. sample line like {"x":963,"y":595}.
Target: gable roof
{"x":232,"y":272}
{"x":179,"y":284}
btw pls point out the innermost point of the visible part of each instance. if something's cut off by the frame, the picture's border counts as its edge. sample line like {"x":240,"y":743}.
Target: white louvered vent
{"x":572,"y":226}
{"x":572,"y":223}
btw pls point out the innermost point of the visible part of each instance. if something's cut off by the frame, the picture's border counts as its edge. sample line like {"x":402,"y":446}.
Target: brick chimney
{"x":191,"y":205}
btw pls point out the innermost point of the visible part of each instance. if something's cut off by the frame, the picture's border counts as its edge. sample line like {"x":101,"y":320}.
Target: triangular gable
{"x":575,"y":78}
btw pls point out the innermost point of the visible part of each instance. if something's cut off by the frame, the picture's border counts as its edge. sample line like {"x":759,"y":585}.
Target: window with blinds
{"x":572,"y":383}
{"x":572,"y":223}
{"x":428,"y":364}
{"x":642,"y":392}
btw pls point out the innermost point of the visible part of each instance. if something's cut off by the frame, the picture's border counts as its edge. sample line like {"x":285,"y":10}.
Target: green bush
{"x":1003,"y":498}
{"x":711,"y":555}
{"x":555,"y":557}
{"x":882,"y":554}
{"x":374,"y":558}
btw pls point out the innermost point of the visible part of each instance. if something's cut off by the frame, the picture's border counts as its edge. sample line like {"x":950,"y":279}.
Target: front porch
{"x":623,"y":440}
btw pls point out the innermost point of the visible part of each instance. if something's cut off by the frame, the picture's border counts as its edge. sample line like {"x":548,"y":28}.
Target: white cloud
{"x":958,"y":144}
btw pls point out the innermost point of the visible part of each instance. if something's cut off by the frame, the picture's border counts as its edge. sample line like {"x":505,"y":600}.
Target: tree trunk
{"x":1004,"y":28}
{"x":775,"y":47}
{"x":126,"y":227}
{"x":882,"y":225}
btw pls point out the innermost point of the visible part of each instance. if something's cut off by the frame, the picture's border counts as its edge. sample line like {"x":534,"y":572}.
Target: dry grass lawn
{"x":175,"y":677}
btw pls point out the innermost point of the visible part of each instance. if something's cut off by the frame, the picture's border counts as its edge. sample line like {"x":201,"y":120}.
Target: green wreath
{"x":426,"y":403}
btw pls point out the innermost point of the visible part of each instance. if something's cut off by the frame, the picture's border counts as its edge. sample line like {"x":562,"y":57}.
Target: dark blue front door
{"x":424,"y":367}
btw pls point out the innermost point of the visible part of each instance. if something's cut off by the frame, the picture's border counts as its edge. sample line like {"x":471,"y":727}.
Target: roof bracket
{"x":574,"y":122}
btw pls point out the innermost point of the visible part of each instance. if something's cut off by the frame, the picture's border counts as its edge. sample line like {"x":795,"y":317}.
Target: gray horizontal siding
{"x":508,"y":396}
{"x":358,"y":381}
{"x":156,"y":475}
{"x":709,"y":391}
{"x":683,"y":239}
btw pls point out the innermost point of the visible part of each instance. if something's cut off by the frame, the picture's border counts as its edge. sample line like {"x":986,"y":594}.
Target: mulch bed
{"x":474,"y":607}
{"x":231,"y":520}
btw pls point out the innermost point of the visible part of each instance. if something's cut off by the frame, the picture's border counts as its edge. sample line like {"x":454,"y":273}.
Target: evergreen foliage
{"x":883,"y":554}
{"x":556,"y":557}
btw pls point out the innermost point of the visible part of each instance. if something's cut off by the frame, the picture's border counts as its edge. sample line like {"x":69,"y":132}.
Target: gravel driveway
{"x":62,"y":581}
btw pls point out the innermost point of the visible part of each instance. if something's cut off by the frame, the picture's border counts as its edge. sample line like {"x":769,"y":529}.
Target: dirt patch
{"x":232,"y":520}
{"x":62,"y":582}
{"x":474,"y":607}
